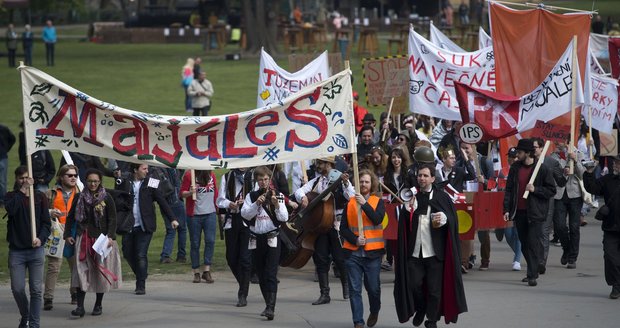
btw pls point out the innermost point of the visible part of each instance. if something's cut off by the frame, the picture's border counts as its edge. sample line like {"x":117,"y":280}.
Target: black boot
{"x":271,"y":305}
{"x":324,"y":286}
{"x":345,"y":285}
{"x":244,"y":284}
{"x":79,"y":311}
{"x":266,"y":298}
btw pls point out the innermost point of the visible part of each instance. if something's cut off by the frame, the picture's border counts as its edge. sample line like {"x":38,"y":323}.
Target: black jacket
{"x":538,"y":201}
{"x":148,"y":195}
{"x":17,"y":206}
{"x":7,"y":140}
{"x":607,"y":186}
{"x":456,"y":177}
{"x":107,"y":226}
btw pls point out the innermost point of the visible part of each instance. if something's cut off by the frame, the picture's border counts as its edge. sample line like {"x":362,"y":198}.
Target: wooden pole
{"x":192,"y":173}
{"x":543,"y":6}
{"x":356,"y":175}
{"x":391,"y":192}
{"x":33,"y":224}
{"x":537,"y":167}
{"x":573,"y":100}
{"x":304,"y":174}
{"x":388,"y":119}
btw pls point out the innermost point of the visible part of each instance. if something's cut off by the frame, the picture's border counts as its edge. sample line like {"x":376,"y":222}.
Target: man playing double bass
{"x":328,"y":243}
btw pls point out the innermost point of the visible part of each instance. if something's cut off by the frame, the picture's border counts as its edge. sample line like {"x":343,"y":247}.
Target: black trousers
{"x":611,"y":251}
{"x":267,"y":259}
{"x":326,"y":248}
{"x":426,"y":271}
{"x":202,"y":111}
{"x":238,"y":256}
{"x":531,"y":237}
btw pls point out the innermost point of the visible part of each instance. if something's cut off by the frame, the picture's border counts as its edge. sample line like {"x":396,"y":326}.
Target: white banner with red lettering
{"x":276,"y":83}
{"x":433,"y":72}
{"x":315,"y":122}
{"x":604,"y":103}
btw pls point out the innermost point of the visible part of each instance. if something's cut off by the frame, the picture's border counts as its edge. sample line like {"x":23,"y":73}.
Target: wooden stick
{"x":192,"y":173}
{"x":388,"y":119}
{"x":33,"y":224}
{"x":573,"y":100}
{"x":537,"y":167}
{"x":538,"y":5}
{"x":356,"y":175}
{"x":304,"y":174}
{"x":391,"y":192}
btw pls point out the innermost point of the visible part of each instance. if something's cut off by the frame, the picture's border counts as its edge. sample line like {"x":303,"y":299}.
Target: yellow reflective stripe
{"x":367,"y":228}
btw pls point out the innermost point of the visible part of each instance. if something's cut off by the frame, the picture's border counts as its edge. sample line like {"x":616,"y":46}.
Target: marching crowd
{"x":411,"y":164}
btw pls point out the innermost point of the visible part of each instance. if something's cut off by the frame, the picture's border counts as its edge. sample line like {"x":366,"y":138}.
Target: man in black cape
{"x":447,"y":251}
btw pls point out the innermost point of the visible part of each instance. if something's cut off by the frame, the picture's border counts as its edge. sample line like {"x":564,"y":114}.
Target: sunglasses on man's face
{"x":71,"y":175}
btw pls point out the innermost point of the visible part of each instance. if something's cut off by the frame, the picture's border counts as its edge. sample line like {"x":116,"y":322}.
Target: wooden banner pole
{"x":537,"y":167}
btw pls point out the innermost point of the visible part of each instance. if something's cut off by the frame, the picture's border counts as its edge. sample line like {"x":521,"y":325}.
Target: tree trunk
{"x":261,"y":26}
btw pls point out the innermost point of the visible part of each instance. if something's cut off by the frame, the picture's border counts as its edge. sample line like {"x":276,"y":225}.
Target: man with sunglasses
{"x":60,"y":200}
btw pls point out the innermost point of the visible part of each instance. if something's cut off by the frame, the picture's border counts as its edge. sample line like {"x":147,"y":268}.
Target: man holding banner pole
{"x":528,"y":213}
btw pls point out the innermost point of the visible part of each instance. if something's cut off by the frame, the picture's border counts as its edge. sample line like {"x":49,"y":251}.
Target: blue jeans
{"x":179,"y":212}
{"x":135,"y":250}
{"x":368,"y":269}
{"x":512,"y":238}
{"x":4,"y":167}
{"x":198,"y":224}
{"x":20,"y":261}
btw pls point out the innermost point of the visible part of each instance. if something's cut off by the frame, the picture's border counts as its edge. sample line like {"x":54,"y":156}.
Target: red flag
{"x":614,"y":57}
{"x":497,"y":114}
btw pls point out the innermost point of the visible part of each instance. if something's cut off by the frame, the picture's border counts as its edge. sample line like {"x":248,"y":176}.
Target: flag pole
{"x":33,"y":225}
{"x":388,"y":119}
{"x":573,"y":100}
{"x":356,"y":174}
{"x":589,"y":137}
{"x":537,"y":167}
{"x":192,"y":173}
{"x":543,"y":6}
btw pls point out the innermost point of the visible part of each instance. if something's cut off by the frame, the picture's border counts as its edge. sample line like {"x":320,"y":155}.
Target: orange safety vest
{"x":59,"y":203}
{"x":373,"y":233}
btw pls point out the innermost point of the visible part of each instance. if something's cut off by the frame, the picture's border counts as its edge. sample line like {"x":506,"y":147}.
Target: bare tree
{"x":261,"y":25}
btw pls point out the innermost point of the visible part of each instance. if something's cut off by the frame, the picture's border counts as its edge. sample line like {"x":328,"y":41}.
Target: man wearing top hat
{"x":528,"y":214}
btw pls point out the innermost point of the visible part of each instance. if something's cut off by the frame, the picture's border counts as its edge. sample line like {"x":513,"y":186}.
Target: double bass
{"x":302,"y":229}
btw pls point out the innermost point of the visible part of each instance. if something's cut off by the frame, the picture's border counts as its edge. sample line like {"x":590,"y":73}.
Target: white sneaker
{"x":516,"y":266}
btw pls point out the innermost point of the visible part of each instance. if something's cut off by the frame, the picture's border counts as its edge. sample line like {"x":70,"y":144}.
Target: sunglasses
{"x":71,"y":175}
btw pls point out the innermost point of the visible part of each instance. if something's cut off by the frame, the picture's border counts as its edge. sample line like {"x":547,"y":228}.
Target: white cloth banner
{"x":604,"y":103}
{"x":552,"y":98}
{"x":599,"y":45}
{"x":484,"y":40}
{"x":315,"y":122}
{"x":443,"y":41}
{"x":433,"y":72}
{"x":275,"y":83}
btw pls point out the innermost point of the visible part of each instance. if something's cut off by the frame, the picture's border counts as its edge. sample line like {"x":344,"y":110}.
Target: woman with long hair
{"x":378,"y":162}
{"x":95,"y":213}
{"x":395,"y":177}
{"x":201,"y":214}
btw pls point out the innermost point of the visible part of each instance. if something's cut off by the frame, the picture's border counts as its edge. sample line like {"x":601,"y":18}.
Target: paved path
{"x":563,"y":298}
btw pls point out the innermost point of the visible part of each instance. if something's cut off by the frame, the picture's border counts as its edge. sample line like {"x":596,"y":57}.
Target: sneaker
{"x":196,"y":278}
{"x":571,"y":265}
{"x":615,"y":293}
{"x":472,"y":261}
{"x":181,"y":259}
{"x":463,"y":269}
{"x":583,"y":222}
{"x":532,"y":282}
{"x":207,"y":277}
{"x":484,"y":267}
{"x":516,"y":266}
{"x":166,"y":260}
{"x":386,"y":266}
{"x":557,"y":243}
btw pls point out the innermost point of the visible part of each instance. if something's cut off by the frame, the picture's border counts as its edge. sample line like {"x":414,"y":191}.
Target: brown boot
{"x":207,"y":277}
{"x":196,"y":278}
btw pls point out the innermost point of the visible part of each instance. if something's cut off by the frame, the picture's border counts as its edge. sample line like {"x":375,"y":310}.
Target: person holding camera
{"x":201,"y":91}
{"x":608,"y":186}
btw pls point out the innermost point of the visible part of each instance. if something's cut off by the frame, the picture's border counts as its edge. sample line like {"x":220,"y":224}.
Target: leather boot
{"x":345,"y":285}
{"x":266,"y":298}
{"x":324,"y":286}
{"x":244,"y":284}
{"x":271,"y":305}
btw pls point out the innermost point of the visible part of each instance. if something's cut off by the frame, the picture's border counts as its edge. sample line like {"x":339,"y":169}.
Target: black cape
{"x":453,"y":300}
